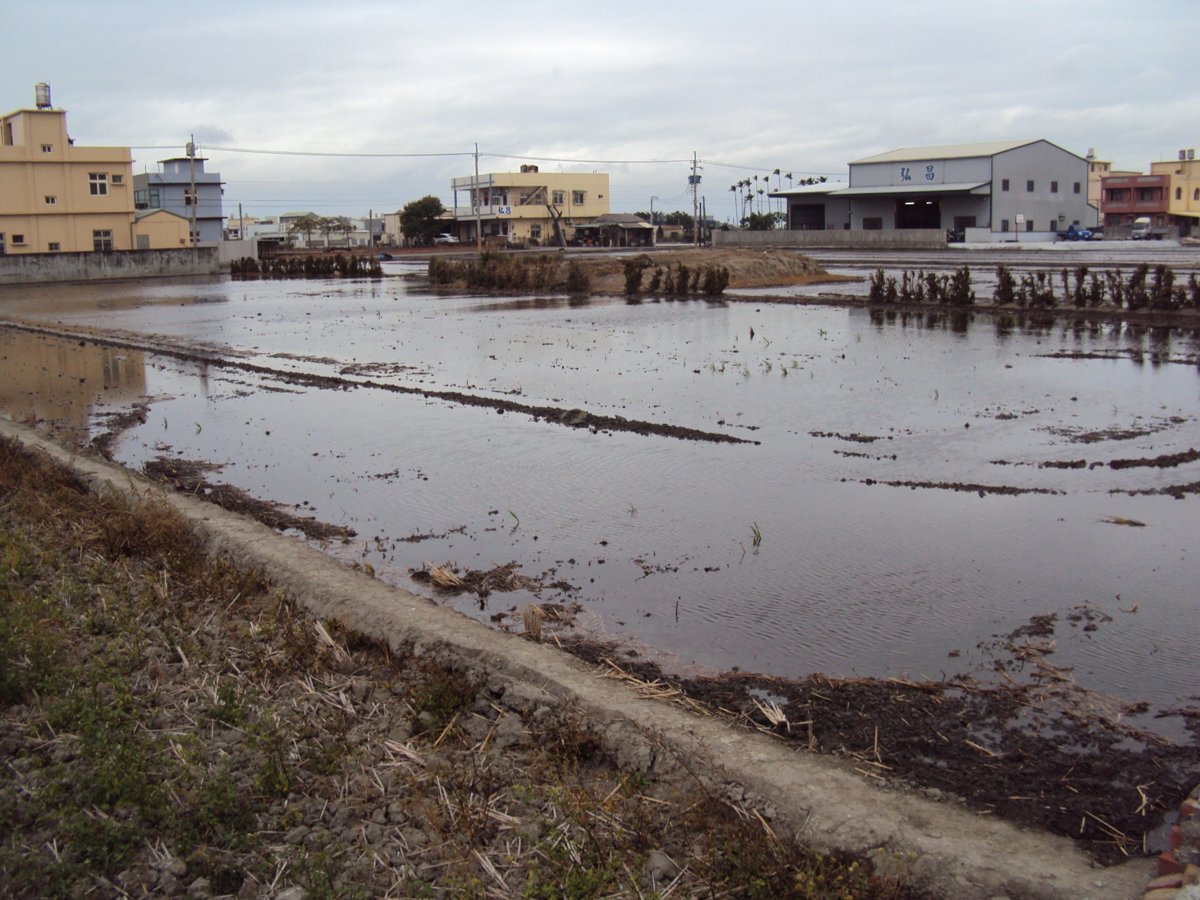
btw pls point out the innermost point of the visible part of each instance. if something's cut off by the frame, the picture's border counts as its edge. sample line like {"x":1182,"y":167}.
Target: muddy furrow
{"x":571,"y":418}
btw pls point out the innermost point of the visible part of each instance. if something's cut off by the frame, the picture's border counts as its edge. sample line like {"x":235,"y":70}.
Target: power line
{"x":726,"y":165}
{"x":609,"y":162}
{"x":320,"y":153}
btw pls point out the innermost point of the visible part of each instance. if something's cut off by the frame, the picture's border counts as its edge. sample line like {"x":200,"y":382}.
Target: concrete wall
{"x":228,"y":251}
{"x":909,"y":238}
{"x":33,"y":268}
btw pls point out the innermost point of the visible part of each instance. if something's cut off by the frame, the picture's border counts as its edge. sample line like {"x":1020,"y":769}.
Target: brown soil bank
{"x":747,"y":268}
{"x":605,"y":274}
{"x":177,"y":716}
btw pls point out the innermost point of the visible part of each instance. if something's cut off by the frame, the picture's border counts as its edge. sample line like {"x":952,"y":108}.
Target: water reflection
{"x":1144,"y":343}
{"x":876,"y":429}
{"x":62,"y":382}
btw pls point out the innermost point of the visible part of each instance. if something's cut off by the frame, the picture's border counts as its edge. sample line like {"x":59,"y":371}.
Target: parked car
{"x":445,"y":239}
{"x":1075,"y":233}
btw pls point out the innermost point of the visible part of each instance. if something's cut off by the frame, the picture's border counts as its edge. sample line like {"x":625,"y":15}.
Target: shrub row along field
{"x":171,"y":724}
{"x":307,"y":267}
{"x":1142,"y":290}
{"x":710,"y":280}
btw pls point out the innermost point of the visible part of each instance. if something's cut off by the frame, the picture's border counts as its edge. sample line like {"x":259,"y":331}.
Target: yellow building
{"x":58,"y":197}
{"x":160,"y":229}
{"x":1183,"y":193}
{"x":529,"y":206}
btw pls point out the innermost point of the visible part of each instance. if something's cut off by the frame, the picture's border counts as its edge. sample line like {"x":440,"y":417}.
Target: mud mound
{"x":747,"y":268}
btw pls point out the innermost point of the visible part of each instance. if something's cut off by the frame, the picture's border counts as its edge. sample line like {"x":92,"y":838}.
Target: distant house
{"x":615,"y":230}
{"x":526,"y":207}
{"x":984,"y":191}
{"x":1098,"y":169}
{"x":1169,"y":196}
{"x":56,"y":196}
{"x":183,"y":187}
{"x":1183,"y":190}
{"x":160,"y":229}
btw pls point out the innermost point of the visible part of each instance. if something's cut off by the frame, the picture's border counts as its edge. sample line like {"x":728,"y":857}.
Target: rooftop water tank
{"x":41,"y":95}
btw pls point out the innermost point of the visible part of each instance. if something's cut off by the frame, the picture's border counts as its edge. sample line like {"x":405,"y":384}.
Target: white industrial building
{"x":994,"y":191}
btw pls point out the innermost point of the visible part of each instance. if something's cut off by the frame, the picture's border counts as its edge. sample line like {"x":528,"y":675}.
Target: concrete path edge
{"x":944,"y":848}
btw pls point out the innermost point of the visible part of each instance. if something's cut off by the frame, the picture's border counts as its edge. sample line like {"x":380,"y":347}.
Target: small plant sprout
{"x":756,"y":534}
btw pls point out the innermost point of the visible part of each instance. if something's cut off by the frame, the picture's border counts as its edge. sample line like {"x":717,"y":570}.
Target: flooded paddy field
{"x":714,"y":485}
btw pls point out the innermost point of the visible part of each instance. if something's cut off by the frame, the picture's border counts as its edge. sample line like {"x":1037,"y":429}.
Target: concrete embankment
{"x":945,"y":849}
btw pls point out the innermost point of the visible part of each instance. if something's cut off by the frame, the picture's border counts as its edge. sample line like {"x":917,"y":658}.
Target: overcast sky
{"x":749,"y":87}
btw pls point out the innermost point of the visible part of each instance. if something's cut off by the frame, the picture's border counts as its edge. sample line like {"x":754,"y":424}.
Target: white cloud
{"x":758,"y":84}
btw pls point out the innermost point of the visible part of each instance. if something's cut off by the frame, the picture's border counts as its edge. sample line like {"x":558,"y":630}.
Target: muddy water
{"x":869,"y":562}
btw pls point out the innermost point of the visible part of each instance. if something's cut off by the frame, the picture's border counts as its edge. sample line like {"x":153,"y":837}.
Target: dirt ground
{"x":747,"y":268}
{"x":1030,"y":747}
{"x":174,"y":724}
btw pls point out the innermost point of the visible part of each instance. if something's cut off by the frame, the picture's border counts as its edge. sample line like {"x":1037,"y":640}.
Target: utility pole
{"x":191,"y":152}
{"x":475,"y":203}
{"x":695,"y":180}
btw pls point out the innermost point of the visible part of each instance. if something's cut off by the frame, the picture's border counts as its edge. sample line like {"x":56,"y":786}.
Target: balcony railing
{"x":1128,"y":206}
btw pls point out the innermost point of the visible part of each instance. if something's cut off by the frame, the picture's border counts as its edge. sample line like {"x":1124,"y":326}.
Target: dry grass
{"x":166,"y":717}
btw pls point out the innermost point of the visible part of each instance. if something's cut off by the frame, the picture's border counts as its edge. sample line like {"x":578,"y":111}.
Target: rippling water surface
{"x":853,"y":575}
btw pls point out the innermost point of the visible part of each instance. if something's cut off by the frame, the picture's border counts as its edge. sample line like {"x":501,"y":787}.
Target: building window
{"x":1029,"y":186}
{"x":118,"y":179}
{"x":1029,"y":224}
{"x":189,"y":199}
{"x":102,"y":241}
{"x":1196,"y":194}
{"x":535,"y":231}
{"x":1178,"y":193}
{"x":1054,"y":187}
{"x":98,"y":183}
{"x":19,"y":240}
{"x":558,"y":198}
{"x":577,"y":197}
{"x":1004,"y":224}
{"x":51,"y":199}
{"x":47,"y":148}
{"x":146,"y":199}
{"x":55,"y":246}
{"x":1004,"y":186}
{"x":1077,"y":187}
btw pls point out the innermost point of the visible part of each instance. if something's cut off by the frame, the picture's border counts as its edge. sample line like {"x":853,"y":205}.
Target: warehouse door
{"x":918,"y":213}
{"x":808,"y":217}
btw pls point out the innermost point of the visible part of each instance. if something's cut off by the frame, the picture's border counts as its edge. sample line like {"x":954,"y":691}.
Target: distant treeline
{"x":1142,"y":290}
{"x":338,"y":266}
